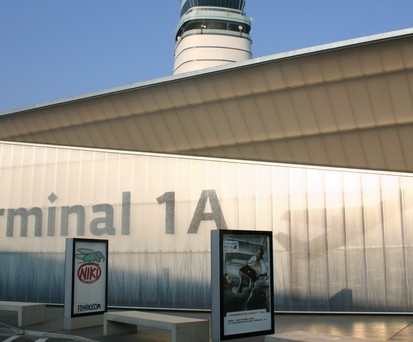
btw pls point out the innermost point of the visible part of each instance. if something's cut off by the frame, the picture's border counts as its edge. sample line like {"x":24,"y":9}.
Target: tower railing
{"x":213,"y":31}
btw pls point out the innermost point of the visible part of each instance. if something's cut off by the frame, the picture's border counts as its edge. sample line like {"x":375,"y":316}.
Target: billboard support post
{"x":242,"y":287}
{"x":86,"y":282}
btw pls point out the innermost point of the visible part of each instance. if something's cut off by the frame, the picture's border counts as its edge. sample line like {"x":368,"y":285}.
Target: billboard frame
{"x":72,"y":259}
{"x":248,"y":319}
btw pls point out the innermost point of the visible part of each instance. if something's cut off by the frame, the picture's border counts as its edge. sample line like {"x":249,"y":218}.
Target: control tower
{"x":211,"y":33}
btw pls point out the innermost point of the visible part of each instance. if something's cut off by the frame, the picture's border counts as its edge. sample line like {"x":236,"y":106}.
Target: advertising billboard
{"x":241,"y":284}
{"x":86,"y":277}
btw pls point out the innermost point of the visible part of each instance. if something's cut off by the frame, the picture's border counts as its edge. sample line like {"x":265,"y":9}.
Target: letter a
{"x":201,"y":215}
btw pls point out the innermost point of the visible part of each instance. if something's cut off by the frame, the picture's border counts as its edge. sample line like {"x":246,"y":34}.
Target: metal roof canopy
{"x":347,"y":104}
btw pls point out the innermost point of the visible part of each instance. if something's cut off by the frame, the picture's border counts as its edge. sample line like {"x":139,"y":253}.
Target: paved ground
{"x":289,"y":327}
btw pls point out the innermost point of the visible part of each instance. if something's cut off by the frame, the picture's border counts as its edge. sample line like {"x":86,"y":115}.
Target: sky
{"x":56,"y":49}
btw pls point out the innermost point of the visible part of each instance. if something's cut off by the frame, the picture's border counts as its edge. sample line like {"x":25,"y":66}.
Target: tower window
{"x":213,"y":25}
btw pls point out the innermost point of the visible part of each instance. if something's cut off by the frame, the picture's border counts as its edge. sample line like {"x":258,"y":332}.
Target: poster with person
{"x":242,"y":285}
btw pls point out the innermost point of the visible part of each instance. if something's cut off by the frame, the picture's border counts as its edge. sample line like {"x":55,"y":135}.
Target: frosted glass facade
{"x":343,"y":240}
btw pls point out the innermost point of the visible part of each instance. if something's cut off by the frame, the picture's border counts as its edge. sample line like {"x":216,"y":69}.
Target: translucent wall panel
{"x":343,"y":240}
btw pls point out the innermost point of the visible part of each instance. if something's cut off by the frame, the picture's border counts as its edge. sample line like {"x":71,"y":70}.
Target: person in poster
{"x":252,"y":292}
{"x":234,"y":301}
{"x":255,"y":272}
{"x":257,"y":263}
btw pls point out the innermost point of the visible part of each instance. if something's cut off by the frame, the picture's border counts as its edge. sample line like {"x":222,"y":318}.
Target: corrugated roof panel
{"x":269,"y":116}
{"x":191,"y":129}
{"x":149,"y":134}
{"x":299,"y":150}
{"x":317,"y":150}
{"x":370,"y":61}
{"x":56,"y":117}
{"x":29,"y":124}
{"x":304,"y":112}
{"x":147,"y":100}
{"x":18,"y":126}
{"x":393,"y":152}
{"x":161,"y":98}
{"x":177,"y":132}
{"x":97,"y":114}
{"x":382,"y":107}
{"x":123,"y":137}
{"x":349,"y":63}
{"x":191,"y":92}
{"x":391,"y":57}
{"x":406,"y":139}
{"x":264,"y":150}
{"x":400,"y":92}
{"x":5,"y":129}
{"x":176,"y":95}
{"x":274,"y":77}
{"x":205,"y":126}
{"x":223,"y":87}
{"x":286,"y":113}
{"x":321,"y":104}
{"x":163,"y":132}
{"x":78,"y":114}
{"x":255,"y":78}
{"x":252,"y":118}
{"x":67,"y":137}
{"x":117,"y":108}
{"x":334,"y":149}
{"x":43,"y":122}
{"x":310,"y":70}
{"x":236,"y":120}
{"x":281,"y":150}
{"x":353,"y":149}
{"x":373,"y":151}
{"x":240,"y":85}
{"x":245,"y":151}
{"x":207,"y":89}
{"x":96,"y":135}
{"x":132,"y":100}
{"x":225,"y":131}
{"x":330,"y":67}
{"x":407,"y":55}
{"x":291,"y":74}
{"x":342,"y":108}
{"x":133,"y":129}
{"x":360,"y":102}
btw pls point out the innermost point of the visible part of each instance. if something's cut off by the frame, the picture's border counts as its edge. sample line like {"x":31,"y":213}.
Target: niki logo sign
{"x":89,"y":272}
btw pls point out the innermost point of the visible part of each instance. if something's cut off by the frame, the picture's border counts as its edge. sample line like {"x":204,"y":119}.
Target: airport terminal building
{"x":313,"y":145}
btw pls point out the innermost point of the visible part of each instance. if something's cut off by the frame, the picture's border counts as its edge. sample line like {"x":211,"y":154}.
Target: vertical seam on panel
{"x":383,"y":235}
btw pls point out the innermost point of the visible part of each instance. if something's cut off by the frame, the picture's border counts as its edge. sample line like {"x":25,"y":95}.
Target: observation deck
{"x":211,"y":33}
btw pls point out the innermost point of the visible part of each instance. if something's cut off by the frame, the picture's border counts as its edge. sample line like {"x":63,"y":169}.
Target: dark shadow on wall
{"x":33,"y":277}
{"x":341,"y":301}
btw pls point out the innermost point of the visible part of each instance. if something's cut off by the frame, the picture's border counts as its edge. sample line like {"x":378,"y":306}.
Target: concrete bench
{"x":27,"y":313}
{"x":182,"y":329}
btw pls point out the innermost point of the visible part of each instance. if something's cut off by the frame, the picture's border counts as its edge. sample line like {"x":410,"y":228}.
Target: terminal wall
{"x":343,"y":240}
